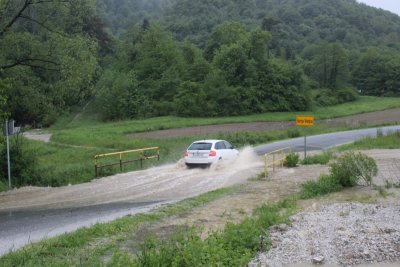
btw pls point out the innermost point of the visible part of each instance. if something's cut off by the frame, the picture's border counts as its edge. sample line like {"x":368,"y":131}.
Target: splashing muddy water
{"x":32,"y":213}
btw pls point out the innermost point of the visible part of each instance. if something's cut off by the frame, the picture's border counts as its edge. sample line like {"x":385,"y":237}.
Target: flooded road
{"x":32,"y":213}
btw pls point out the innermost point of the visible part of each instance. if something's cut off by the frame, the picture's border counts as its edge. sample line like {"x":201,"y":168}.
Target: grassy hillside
{"x":69,"y":157}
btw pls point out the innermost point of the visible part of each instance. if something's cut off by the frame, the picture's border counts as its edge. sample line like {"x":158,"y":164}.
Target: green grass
{"x":391,"y":141}
{"x":364,"y":104}
{"x":3,"y":186}
{"x":69,"y":158}
{"x":321,"y":158}
{"x":324,"y":185}
{"x":236,"y":245}
{"x":87,"y":246}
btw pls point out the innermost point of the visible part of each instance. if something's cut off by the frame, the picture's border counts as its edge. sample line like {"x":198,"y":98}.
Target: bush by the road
{"x":351,"y":169}
{"x":348,"y":170}
{"x":291,"y":160}
{"x":322,"y":159}
{"x":324,"y":185}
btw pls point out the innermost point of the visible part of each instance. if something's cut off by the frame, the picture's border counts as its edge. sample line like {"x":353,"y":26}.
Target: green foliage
{"x":291,"y":159}
{"x":322,"y":158}
{"x":226,"y":34}
{"x":175,"y":78}
{"x":376,"y":73}
{"x":3,"y":185}
{"x":246,"y":52}
{"x":120,"y":98}
{"x":329,"y":66}
{"x":390,"y":141}
{"x":48,"y":60}
{"x":23,"y":163}
{"x":190,"y":100}
{"x":294,"y":25}
{"x":234,"y":246}
{"x":351,"y":169}
{"x":247,"y":138}
{"x":346,"y":94}
{"x":324,"y":185}
{"x":293,"y":132}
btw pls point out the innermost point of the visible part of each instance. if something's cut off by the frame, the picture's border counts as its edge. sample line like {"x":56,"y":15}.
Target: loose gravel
{"x":339,"y":234}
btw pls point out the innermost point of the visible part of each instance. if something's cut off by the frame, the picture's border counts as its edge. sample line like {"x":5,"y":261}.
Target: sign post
{"x":8,"y":129}
{"x":305,"y":121}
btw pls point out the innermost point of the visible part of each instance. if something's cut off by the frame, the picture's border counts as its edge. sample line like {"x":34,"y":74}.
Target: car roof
{"x":208,"y":141}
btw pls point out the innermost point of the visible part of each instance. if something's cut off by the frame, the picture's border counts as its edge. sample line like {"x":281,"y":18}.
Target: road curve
{"x":324,"y":141}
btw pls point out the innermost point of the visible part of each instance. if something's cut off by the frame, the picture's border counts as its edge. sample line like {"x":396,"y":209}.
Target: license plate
{"x":199,"y":155}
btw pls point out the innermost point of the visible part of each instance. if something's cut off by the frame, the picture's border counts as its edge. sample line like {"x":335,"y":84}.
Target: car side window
{"x":228,"y":145}
{"x":220,"y":145}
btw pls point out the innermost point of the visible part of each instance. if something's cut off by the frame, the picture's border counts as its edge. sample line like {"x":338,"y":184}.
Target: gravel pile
{"x":341,"y":234}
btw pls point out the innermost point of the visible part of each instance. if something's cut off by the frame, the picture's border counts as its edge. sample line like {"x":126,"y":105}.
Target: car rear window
{"x":200,"y":146}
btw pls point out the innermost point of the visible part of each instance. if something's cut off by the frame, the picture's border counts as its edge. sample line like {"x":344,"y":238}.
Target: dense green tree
{"x":190,"y":100}
{"x":329,"y":66}
{"x":225,"y":34}
{"x":159,"y":64}
{"x":119,"y":97}
{"x":47,"y":57}
{"x":378,"y":73}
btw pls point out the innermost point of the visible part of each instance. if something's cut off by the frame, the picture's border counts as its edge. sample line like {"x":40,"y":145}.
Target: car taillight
{"x":186,"y":153}
{"x":213,"y":153}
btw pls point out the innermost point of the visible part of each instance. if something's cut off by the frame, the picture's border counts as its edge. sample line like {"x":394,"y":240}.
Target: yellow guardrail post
{"x":95,"y":167}
{"x":280,"y":160}
{"x":265,"y":166}
{"x":120,"y":162}
{"x":273,"y":162}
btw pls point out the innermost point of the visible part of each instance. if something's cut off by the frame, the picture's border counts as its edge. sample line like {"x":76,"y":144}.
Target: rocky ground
{"x":342,"y":234}
{"x":343,"y":229}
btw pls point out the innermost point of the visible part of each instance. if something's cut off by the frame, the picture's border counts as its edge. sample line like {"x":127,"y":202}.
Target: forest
{"x":133,"y":59}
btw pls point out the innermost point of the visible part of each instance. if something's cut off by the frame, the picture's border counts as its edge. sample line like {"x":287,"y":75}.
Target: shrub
{"x":324,"y":185}
{"x":350,"y":169}
{"x":291,"y":160}
{"x":22,"y":161}
{"x":347,"y":94}
{"x":322,"y":159}
{"x":325,"y":97}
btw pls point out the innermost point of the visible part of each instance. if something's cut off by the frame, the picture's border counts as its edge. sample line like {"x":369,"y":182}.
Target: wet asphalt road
{"x":324,"y":141}
{"x":18,"y":228}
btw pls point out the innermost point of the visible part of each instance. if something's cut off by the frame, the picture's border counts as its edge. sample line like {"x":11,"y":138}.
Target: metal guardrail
{"x":141,"y":158}
{"x":275,"y":157}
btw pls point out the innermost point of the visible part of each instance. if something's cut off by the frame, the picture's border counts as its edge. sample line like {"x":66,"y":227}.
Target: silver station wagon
{"x":207,"y":152}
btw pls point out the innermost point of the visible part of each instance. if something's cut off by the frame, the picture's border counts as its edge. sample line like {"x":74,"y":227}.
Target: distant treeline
{"x":141,"y":58}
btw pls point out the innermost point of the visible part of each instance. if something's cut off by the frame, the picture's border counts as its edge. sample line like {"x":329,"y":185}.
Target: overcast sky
{"x":391,"y":5}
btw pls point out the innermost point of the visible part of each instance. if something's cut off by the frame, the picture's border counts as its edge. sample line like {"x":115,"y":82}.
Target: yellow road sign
{"x":305,"y":120}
